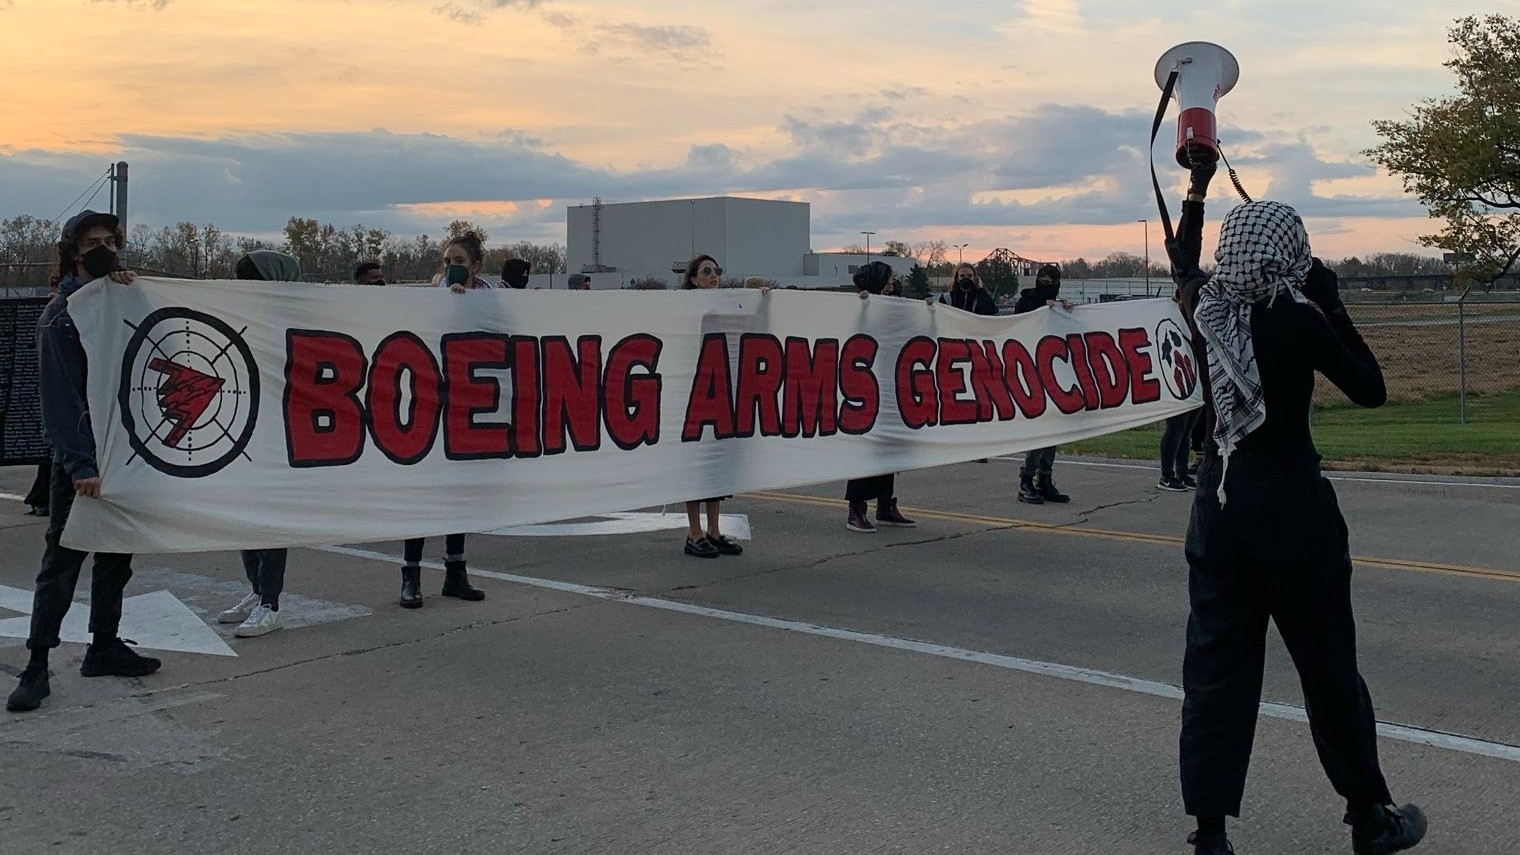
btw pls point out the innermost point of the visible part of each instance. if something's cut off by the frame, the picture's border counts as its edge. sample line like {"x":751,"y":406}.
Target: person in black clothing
{"x":1036,"y":484}
{"x":967,"y":293}
{"x":37,"y":497}
{"x":1176,"y":440}
{"x":1267,"y":540}
{"x":369,"y":273}
{"x":87,"y":251}
{"x":874,"y":278}
{"x":515,"y":272}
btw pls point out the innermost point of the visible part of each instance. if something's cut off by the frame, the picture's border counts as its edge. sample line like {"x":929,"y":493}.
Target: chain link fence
{"x":1456,"y":350}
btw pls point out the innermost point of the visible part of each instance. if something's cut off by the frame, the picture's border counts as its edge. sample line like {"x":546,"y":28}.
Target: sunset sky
{"x":1002,"y":124}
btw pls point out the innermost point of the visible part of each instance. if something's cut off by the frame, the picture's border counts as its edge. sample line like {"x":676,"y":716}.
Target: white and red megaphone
{"x":1205,"y":72}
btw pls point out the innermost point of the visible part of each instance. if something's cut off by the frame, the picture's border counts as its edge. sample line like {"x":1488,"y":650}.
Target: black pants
{"x":1175,"y":440}
{"x":1277,"y":550}
{"x":876,"y":487}
{"x":412,"y":549}
{"x":37,"y":497}
{"x":60,"y":576}
{"x":265,"y":569}
{"x":1038,"y":462}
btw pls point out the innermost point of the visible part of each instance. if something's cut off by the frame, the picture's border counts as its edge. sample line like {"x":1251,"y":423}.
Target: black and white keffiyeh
{"x":1263,"y":251}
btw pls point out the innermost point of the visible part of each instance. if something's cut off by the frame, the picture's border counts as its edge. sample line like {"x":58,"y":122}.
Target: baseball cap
{"x":88,"y":219}
{"x":576,"y":279}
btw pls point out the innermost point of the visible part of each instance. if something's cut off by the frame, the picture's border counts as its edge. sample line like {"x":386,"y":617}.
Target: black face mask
{"x":99,"y":261}
{"x":1048,"y":290}
{"x":965,"y":284}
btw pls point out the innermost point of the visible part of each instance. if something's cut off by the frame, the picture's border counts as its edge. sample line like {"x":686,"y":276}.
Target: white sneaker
{"x":241,"y":611}
{"x":261,"y":621}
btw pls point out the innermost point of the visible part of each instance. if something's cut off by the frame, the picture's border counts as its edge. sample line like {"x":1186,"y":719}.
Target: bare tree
{"x":931,"y":253}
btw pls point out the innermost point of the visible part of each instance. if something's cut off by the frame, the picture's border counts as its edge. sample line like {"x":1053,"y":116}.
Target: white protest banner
{"x":251,"y":414}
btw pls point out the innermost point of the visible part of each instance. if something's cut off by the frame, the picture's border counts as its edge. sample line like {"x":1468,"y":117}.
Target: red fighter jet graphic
{"x":184,"y":396}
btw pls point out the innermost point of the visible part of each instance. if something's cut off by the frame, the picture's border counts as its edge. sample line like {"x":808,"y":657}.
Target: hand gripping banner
{"x":239,"y":415}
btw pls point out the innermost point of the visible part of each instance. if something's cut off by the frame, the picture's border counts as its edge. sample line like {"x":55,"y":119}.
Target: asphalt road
{"x":997,"y":680}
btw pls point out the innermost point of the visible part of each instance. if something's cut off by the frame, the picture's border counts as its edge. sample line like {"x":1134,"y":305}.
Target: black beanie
{"x":1052,"y":271}
{"x":873,"y":277}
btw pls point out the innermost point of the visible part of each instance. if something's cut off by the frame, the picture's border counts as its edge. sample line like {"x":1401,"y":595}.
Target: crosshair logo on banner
{"x":1178,"y":367}
{"x":189,"y":392}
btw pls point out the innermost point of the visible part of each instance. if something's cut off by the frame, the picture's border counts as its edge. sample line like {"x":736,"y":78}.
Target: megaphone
{"x":1205,"y":72}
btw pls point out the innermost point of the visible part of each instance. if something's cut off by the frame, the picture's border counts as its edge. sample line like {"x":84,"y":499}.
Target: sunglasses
{"x":710,"y":271}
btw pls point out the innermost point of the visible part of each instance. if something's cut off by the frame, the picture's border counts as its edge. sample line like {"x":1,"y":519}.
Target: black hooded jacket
{"x":976,"y":301}
{"x":1034,"y":298}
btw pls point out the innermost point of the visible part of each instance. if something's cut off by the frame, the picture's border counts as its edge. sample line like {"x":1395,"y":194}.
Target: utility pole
{"x":1147,"y":256}
{"x":868,"y":245}
{"x":119,"y":197}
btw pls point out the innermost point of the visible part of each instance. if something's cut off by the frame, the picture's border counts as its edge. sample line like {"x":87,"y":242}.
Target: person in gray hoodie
{"x":258,"y":612}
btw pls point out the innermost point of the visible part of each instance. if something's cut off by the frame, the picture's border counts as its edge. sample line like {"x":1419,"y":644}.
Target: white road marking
{"x":1287,"y":712}
{"x":733,"y":525}
{"x":1353,"y":479}
{"x":155,"y":621}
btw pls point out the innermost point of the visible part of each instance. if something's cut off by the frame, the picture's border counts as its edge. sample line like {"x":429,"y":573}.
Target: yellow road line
{"x":1138,"y":537}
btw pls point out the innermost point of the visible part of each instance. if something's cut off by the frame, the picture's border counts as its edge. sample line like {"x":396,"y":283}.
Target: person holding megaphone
{"x":1267,"y":540}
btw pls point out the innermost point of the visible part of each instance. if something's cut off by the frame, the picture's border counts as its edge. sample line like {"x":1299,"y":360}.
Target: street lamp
{"x":960,"y":253}
{"x":1147,"y":255}
{"x":195,"y":264}
{"x":868,"y":245}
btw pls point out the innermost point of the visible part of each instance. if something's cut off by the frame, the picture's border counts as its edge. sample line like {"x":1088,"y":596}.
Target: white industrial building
{"x":619,"y":243}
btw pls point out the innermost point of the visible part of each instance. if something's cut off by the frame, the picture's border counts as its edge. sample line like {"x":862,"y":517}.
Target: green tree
{"x":918,"y":282}
{"x":1077,"y":269}
{"x":1460,"y":154}
{"x":998,"y":276}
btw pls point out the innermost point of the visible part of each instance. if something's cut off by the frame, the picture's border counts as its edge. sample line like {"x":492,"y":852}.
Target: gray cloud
{"x":879,"y":170}
{"x":625,"y":40}
{"x":678,"y":40}
{"x":474,"y":11}
{"x":155,"y":5}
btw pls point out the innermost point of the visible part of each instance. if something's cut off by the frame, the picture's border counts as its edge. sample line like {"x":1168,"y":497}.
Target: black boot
{"x":1027,"y":493}
{"x":1383,"y":829}
{"x":115,"y":659}
{"x":411,"y":587}
{"x":456,"y":583}
{"x":1049,"y":493}
{"x":31,"y":690}
{"x":1210,"y":844}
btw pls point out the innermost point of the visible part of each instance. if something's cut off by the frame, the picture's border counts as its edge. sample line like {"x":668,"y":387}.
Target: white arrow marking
{"x":16,"y":600}
{"x":734,"y":525}
{"x":156,"y":621}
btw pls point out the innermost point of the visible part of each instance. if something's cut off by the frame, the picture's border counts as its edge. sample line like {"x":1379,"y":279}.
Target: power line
{"x":98,"y":188}
{"x":95,"y":187}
